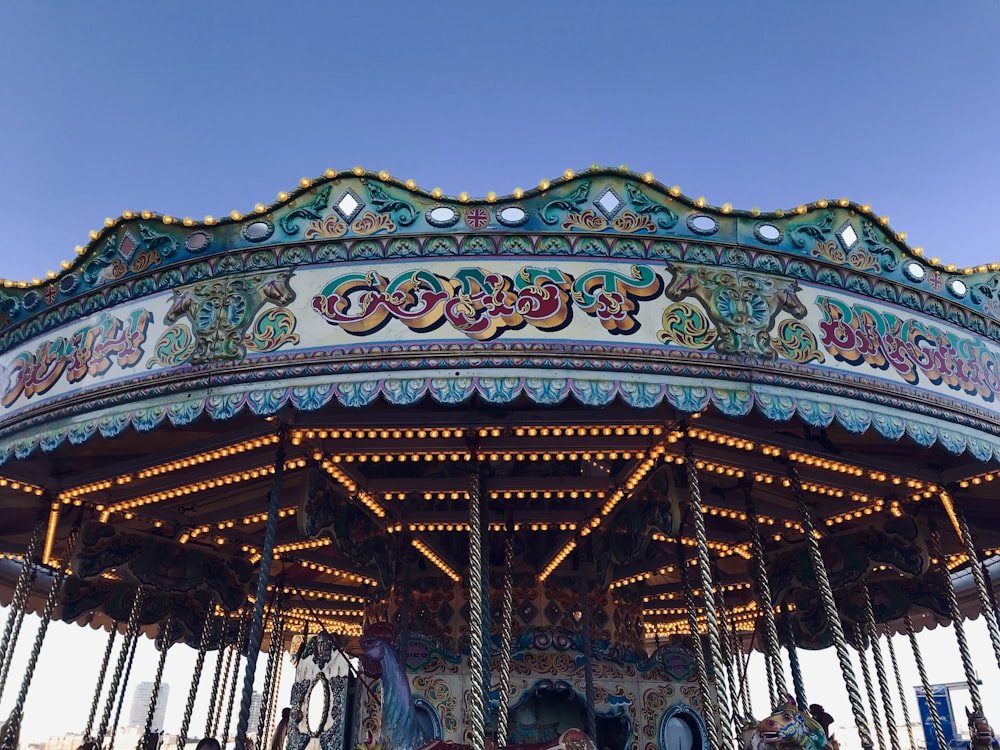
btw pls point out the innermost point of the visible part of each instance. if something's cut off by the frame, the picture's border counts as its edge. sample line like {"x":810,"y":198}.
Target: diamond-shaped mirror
{"x":348,"y":205}
{"x":609,"y":202}
{"x":847,"y":236}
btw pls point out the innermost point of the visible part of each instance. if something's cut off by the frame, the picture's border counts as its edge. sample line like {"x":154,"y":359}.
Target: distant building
{"x":255,"y":701}
{"x":140,"y":705}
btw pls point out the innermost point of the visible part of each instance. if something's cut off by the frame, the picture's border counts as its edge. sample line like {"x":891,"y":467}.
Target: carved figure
{"x":403,"y":726}
{"x":790,"y":727}
{"x":980,"y":733}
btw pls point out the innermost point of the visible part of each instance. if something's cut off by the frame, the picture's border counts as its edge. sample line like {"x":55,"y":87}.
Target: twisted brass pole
{"x":830,"y":608}
{"x":506,"y":623}
{"x":724,"y":715}
{"x":131,"y":633}
{"x":206,"y":633}
{"x":100,"y":680}
{"x":883,"y":684}
{"x":899,"y":685}
{"x":925,"y":684}
{"x":165,"y":633}
{"x":477,"y":708}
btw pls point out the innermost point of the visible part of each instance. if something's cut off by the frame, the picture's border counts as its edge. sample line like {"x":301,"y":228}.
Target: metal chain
{"x":859,"y":645}
{"x":985,"y":605}
{"x":14,"y":722}
{"x":100,"y":680}
{"x":830,"y":608}
{"x":477,"y":719}
{"x":19,"y":599}
{"x":165,"y":633}
{"x":772,"y":649}
{"x":883,"y":683}
{"x":263,"y":576}
{"x":708,"y":595}
{"x":701,"y":668}
{"x":131,"y":628}
{"x":899,"y":685}
{"x":506,"y":623}
{"x":206,"y":635}
{"x":925,"y":684}
{"x":956,"y":622}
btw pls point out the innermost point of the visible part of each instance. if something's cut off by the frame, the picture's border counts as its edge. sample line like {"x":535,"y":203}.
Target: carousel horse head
{"x":980,"y":733}
{"x":749,"y":736}
{"x":790,"y":727}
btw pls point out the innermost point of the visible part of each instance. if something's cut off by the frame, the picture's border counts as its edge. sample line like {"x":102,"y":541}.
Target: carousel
{"x":536,"y":470}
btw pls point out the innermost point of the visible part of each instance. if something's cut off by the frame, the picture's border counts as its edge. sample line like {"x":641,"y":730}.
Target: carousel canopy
{"x":577,"y":347}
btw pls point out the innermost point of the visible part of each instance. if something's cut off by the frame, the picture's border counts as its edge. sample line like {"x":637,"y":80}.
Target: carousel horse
{"x":980,"y":733}
{"x":790,"y":727}
{"x":404,"y":727}
{"x":749,"y":736}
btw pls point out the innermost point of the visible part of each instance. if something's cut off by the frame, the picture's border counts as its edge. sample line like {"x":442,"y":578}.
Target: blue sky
{"x":194,"y":108}
{"x":201,"y":108}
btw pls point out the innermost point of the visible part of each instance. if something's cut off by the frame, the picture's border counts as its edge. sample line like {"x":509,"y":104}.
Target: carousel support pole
{"x":588,"y":648}
{"x":257,"y":621}
{"x":121,"y":694}
{"x":830,"y":608}
{"x":100,"y":680}
{"x":704,"y":695}
{"x":883,"y":683}
{"x":956,"y":622}
{"x":985,"y":604}
{"x":272,"y":710}
{"x":793,"y":659}
{"x":726,"y":642}
{"x":14,"y":722}
{"x":206,"y":635}
{"x":165,"y":634}
{"x":772,"y":647}
{"x":213,"y":696}
{"x":240,"y":646}
{"x":925,"y":683}
{"x":724,"y":714}
{"x":899,"y":685}
{"x":131,"y":629}
{"x":274,"y":648}
{"x":477,"y":649}
{"x":859,"y":646}
{"x":19,"y":600}
{"x":506,"y":622}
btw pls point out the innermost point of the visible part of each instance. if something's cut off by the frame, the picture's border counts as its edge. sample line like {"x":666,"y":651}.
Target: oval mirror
{"x":512,"y":216}
{"x":442,"y":216}
{"x":767,"y":233}
{"x":957,"y":287}
{"x":258,"y":231}
{"x":703,"y":224}
{"x":914,"y":270}
{"x":318,"y":704}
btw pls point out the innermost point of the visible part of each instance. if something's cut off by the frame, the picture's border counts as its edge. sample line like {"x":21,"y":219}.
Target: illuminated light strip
{"x":193,"y":488}
{"x":430,"y":555}
{"x":876,"y":507}
{"x":727,"y":587}
{"x":50,"y":533}
{"x":198,"y":531}
{"x":585,"y":431}
{"x":563,"y":553}
{"x":329,"y":466}
{"x":395,"y":433}
{"x":325,"y":595}
{"x":10,"y":556}
{"x":696,"y":433}
{"x":949,"y":508}
{"x":545,"y":494}
{"x":308,"y":612}
{"x":979,"y":479}
{"x":15,"y":484}
{"x":337,"y":627}
{"x":353,"y":577}
{"x":176,"y":465}
{"x":463,"y":526}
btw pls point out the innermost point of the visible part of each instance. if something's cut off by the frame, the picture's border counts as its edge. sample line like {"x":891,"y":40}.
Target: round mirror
{"x":702,"y":224}
{"x":957,"y":287}
{"x":318,"y":704}
{"x":767,"y":233}
{"x":442,"y":216}
{"x":914,"y":271}
{"x":258,"y":231}
{"x":512,"y":216}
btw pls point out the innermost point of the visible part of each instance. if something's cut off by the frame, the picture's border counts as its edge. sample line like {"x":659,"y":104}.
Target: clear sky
{"x":194,"y":108}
